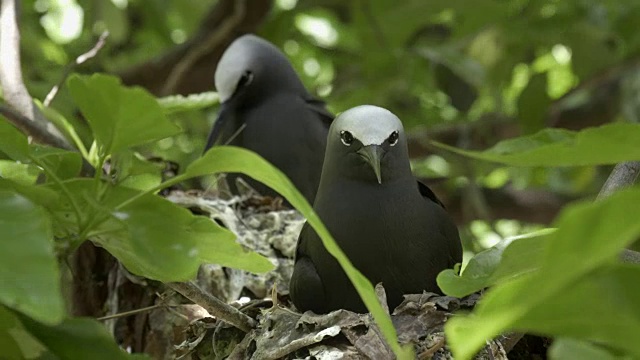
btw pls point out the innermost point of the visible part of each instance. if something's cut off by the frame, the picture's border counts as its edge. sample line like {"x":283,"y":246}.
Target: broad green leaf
{"x":13,"y":142}
{"x":63,"y":163}
{"x":37,"y":194}
{"x":26,"y":174}
{"x":571,"y":349}
{"x":601,"y":306}
{"x":506,"y":260}
{"x":589,"y":236}
{"x":607,"y":144}
{"x":157,"y":239}
{"x":16,"y":342}
{"x":178,"y":103}
{"x":28,"y":268}
{"x":120,"y":117}
{"x":229,"y":159}
{"x":533,"y":104}
{"x":76,"y":338}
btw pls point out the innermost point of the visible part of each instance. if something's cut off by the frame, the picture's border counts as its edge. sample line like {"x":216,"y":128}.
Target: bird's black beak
{"x":372,"y":154}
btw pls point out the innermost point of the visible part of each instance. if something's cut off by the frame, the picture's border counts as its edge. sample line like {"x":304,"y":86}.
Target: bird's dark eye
{"x":346,"y":137}
{"x":245,"y":79}
{"x":393,"y":138}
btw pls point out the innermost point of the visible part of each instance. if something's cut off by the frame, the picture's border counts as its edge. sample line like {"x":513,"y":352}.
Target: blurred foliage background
{"x":467,"y":74}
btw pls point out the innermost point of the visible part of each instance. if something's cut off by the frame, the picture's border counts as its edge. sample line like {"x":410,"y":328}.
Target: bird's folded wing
{"x":428,"y":193}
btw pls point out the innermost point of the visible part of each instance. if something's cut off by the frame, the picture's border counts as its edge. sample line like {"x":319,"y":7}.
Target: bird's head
{"x":251,"y":67}
{"x":367,"y":143}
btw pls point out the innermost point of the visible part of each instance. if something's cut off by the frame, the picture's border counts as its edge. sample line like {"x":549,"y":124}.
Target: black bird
{"x":266,"y":108}
{"x":392,"y":227}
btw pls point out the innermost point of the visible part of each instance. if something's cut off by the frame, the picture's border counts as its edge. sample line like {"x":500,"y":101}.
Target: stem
{"x":65,"y":190}
{"x":161,"y":186}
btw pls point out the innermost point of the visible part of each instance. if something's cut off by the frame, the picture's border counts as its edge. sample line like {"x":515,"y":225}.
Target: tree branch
{"x":214,"y":306}
{"x":208,"y":45}
{"x":102,"y":40}
{"x":197,"y":76}
{"x":31,"y":120}
{"x":623,"y":175}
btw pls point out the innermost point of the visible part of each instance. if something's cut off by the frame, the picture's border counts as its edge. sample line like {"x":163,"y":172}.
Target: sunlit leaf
{"x":21,"y":173}
{"x":120,"y":117}
{"x":588,"y":239}
{"x":607,"y":144}
{"x":506,"y":260}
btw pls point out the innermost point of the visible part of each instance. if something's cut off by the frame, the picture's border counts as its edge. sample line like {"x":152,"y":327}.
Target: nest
{"x":263,"y":225}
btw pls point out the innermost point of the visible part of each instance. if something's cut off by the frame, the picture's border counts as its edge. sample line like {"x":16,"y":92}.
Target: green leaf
{"x":571,"y":349}
{"x":21,"y":173}
{"x":601,"y":306}
{"x":607,"y":144}
{"x":16,"y":342}
{"x":76,"y":338}
{"x":28,"y":268}
{"x":229,"y":159}
{"x":178,"y":103}
{"x":533,"y":104}
{"x":506,"y":260}
{"x":155,"y":238}
{"x":120,"y":117}
{"x":37,"y":194}
{"x":13,"y":142}
{"x":133,"y":171}
{"x":588,"y":239}
{"x":63,"y":163}
{"x":63,"y":124}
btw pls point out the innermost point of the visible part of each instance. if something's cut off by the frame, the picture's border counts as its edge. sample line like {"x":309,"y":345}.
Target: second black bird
{"x":266,"y":108}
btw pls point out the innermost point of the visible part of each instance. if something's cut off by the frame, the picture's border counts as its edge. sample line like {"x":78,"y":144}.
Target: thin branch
{"x":213,"y":41}
{"x":78,"y":61}
{"x":133,"y":312}
{"x":214,"y":306}
{"x":31,"y":121}
{"x":623,"y":175}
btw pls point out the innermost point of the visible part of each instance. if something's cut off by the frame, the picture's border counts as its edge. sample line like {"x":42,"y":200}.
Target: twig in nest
{"x":136,"y":311}
{"x":214,"y":306}
{"x":78,"y":61}
{"x":207,"y":46}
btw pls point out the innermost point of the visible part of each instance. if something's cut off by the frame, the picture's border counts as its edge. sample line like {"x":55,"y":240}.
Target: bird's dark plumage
{"x":392,"y":228}
{"x":265,"y":108}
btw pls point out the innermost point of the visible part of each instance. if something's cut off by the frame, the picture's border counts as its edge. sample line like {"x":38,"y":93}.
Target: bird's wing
{"x":428,"y":193}
{"x":306,"y":289}
{"x":319,"y":107}
{"x":448,"y":229}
